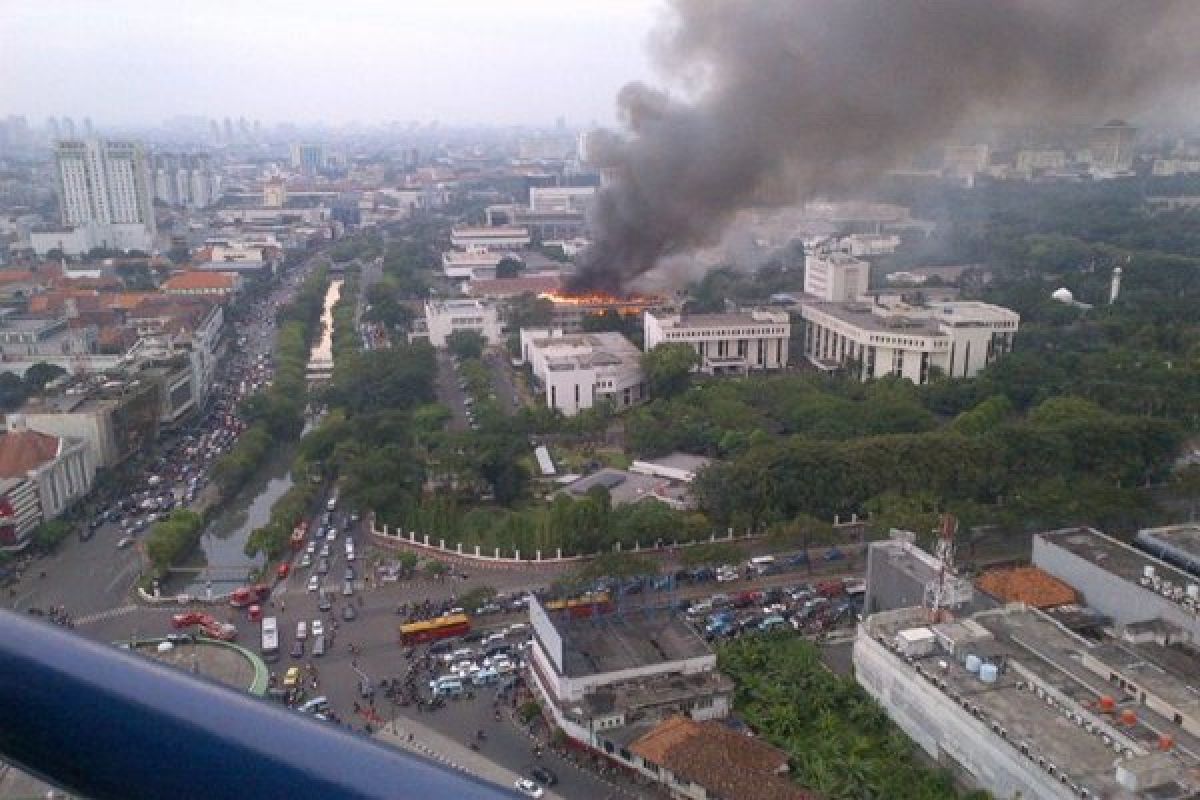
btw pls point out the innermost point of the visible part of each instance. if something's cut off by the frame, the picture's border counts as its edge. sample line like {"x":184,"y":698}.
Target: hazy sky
{"x":459,"y":61}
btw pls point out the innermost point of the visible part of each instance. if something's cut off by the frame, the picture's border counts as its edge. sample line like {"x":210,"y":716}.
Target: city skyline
{"x":461,"y":63}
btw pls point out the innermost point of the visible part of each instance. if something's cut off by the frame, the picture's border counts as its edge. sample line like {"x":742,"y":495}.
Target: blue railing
{"x":105,"y":723}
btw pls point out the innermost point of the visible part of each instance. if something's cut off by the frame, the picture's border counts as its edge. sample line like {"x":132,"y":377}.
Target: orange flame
{"x":601,"y":299}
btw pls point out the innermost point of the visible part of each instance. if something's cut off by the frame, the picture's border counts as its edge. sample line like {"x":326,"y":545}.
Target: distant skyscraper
{"x":54,"y":130}
{"x":185,"y":180}
{"x":68,"y":128}
{"x":1112,"y":146}
{"x":308,"y":158}
{"x":228,"y":128}
{"x":214,"y":131}
{"x":87,"y":127}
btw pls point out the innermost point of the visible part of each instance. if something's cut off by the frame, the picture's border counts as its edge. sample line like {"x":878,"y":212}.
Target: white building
{"x":576,"y":371}
{"x":597,"y":676}
{"x":835,"y":276}
{"x":507,"y":237}
{"x":462,"y":264}
{"x":736,"y":342}
{"x":61,"y":470}
{"x":444,"y":317}
{"x":958,"y":338}
{"x":1111,"y":147}
{"x":560,"y":199}
{"x":104,"y":198}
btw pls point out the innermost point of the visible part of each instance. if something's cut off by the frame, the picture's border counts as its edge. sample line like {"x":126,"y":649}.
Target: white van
{"x":760,"y":565}
{"x":302,"y":630}
{"x":445,"y":687}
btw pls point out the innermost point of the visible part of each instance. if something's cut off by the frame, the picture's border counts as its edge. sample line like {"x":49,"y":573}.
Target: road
{"x":508,"y":395}
{"x":95,"y":576}
{"x":448,"y":392}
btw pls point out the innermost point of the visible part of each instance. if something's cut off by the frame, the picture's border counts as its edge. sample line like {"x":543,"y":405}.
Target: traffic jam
{"x":179,"y":474}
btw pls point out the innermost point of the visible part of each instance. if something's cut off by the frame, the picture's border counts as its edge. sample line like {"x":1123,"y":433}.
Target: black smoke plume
{"x":801,"y":98}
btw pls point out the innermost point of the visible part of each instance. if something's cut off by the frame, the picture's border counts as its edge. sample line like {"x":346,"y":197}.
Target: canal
{"x":220,"y":563}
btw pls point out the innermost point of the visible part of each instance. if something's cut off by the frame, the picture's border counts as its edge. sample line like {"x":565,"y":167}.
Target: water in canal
{"x":220,"y":563}
{"x":220,"y":557}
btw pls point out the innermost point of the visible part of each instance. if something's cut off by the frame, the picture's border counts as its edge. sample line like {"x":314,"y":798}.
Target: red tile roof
{"x":21,"y":451}
{"x":15,"y":276}
{"x":197,"y":280}
{"x":729,"y":765}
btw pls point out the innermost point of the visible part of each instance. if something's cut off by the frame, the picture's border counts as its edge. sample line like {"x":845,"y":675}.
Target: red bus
{"x":587,"y":605}
{"x":429,"y":630}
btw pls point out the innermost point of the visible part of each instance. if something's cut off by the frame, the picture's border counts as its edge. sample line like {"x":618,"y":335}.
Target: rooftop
{"x":627,"y":487}
{"x":507,"y":287}
{"x":23,"y":450}
{"x":587,"y":350}
{"x":193,"y":281}
{"x":626,"y":640}
{"x":1032,"y":653}
{"x":718,"y":320}
{"x":1109,"y":554}
{"x":725,"y":763}
{"x":923,"y":320}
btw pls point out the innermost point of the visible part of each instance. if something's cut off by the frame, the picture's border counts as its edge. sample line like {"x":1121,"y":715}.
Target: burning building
{"x":570,"y":309}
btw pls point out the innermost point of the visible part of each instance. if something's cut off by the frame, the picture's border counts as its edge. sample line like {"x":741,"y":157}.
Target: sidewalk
{"x":439,"y":747}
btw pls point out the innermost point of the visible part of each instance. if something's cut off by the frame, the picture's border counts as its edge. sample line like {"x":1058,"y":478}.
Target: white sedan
{"x":529,"y":788}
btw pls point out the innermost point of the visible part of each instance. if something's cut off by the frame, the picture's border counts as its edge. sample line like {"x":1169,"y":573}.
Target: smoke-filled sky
{"x":786,"y":100}
{"x":457,"y":61}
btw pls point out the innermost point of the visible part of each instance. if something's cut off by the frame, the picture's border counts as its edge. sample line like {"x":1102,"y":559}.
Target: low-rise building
{"x":20,"y":512}
{"x":59,"y":469}
{"x":463,"y":264}
{"x":628,"y":486}
{"x":710,"y":761}
{"x":1012,"y":701}
{"x":212,"y":284}
{"x":1128,"y":585}
{"x":559,"y":199}
{"x":445,"y":317}
{"x":576,"y":371}
{"x":876,"y":339}
{"x":726,"y":343}
{"x":607,"y":680}
{"x":116,"y":418}
{"x":505,"y":288}
{"x":504,"y":237}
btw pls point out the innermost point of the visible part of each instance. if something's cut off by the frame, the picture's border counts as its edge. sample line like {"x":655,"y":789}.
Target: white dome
{"x":1063,"y":295}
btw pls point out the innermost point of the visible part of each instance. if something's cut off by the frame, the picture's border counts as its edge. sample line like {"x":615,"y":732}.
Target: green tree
{"x":668,"y":368}
{"x":616,"y":566}
{"x":509,"y":267}
{"x":41,"y":373}
{"x":710,"y":553}
{"x":13,"y":391}
{"x":436,"y":569}
{"x":50,"y":534}
{"x":466,"y":344}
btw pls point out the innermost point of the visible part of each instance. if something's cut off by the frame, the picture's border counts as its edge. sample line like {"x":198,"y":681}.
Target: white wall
{"x":939,"y":726}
